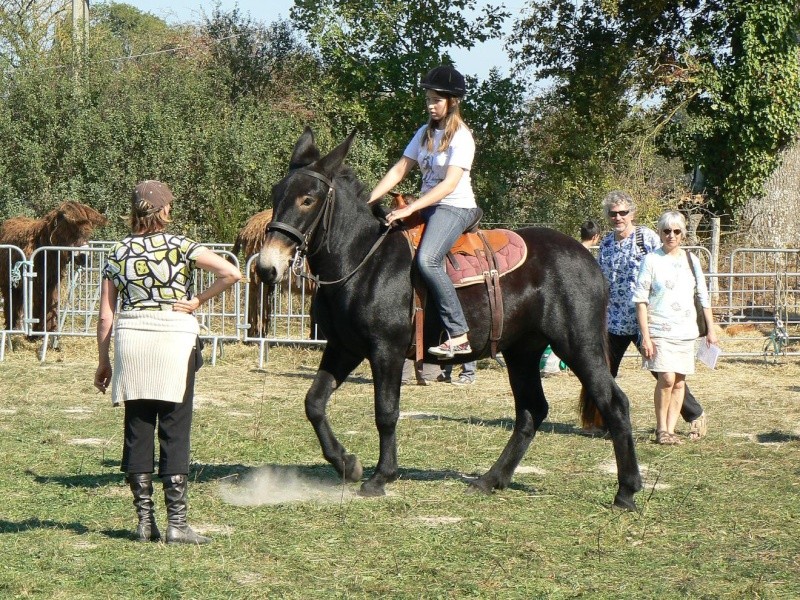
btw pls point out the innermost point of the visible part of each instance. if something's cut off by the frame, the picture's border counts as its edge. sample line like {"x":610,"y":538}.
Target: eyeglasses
{"x":614,"y":213}
{"x":675,"y":232}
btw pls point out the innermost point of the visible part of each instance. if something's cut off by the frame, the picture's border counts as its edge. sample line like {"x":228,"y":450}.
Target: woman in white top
{"x":664,"y":299}
{"x":443,"y":149}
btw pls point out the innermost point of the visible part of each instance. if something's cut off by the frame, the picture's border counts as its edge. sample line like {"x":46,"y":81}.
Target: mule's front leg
{"x":387,"y":372}
{"x":334,"y":368}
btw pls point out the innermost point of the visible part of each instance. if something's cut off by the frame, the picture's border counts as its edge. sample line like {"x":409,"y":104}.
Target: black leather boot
{"x":178,"y":530}
{"x":142,"y":487}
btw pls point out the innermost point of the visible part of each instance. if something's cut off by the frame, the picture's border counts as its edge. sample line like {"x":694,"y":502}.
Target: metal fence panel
{"x":14,"y":296}
{"x":278,"y":316}
{"x":759,"y":294}
{"x":71,"y":278}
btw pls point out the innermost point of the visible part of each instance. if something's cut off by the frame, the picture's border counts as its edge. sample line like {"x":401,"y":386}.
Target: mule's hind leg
{"x":612,"y":403}
{"x":530,"y":408}
{"x":335,"y":366}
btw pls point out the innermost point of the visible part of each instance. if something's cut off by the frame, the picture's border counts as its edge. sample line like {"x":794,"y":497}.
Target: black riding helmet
{"x":445,"y":79}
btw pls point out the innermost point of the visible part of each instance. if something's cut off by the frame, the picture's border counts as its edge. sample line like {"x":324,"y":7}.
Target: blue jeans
{"x":443,"y":226}
{"x":467,"y":369}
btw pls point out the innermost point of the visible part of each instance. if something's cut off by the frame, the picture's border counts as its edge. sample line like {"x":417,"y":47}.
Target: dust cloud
{"x":280,"y":485}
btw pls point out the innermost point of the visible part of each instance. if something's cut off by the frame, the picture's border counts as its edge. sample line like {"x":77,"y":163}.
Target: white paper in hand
{"x":708,"y":354}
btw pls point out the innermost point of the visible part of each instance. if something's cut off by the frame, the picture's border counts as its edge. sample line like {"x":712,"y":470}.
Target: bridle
{"x":324,"y":217}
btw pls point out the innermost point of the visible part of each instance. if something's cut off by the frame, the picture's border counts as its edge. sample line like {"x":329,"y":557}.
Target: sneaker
{"x":447,"y":350}
{"x":442,"y":378}
{"x":462,"y":380}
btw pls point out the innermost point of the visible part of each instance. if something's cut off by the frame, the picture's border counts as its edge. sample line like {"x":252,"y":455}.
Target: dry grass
{"x":718,"y":518}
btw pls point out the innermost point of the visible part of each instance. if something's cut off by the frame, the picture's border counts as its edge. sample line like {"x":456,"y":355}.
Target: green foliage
{"x":722,"y":78}
{"x":149,"y":101}
{"x":375,"y":53}
{"x":742,"y":107}
{"x":496,"y":114}
{"x":251,"y":58}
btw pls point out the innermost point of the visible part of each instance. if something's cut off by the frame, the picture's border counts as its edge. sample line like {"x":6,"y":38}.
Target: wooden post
{"x":713,"y":267}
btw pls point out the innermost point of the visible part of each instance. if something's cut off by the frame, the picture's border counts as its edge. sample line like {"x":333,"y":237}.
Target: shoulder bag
{"x":702,"y":327}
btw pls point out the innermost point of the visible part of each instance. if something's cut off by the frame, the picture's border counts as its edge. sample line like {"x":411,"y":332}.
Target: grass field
{"x":717,"y":519}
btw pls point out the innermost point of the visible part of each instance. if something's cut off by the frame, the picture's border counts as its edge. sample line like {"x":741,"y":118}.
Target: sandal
{"x":664,"y":438}
{"x":698,"y":428}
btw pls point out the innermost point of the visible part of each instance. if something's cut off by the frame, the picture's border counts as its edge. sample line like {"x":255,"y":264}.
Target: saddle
{"x":478,"y":256}
{"x":475,"y":252}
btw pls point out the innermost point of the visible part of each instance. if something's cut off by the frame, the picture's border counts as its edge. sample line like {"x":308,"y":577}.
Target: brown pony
{"x":70,"y":224}
{"x":249,"y":241}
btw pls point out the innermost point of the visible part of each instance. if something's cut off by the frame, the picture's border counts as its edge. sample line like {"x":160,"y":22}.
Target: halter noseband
{"x":324,"y":215}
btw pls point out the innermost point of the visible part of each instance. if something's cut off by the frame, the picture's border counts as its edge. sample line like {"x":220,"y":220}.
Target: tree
{"x":740,"y":99}
{"x":253,"y":58}
{"x":723,"y":75}
{"x":374,"y":52}
{"x":26,"y":27}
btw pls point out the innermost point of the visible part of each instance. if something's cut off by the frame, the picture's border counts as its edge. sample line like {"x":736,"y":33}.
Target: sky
{"x":477,"y":61}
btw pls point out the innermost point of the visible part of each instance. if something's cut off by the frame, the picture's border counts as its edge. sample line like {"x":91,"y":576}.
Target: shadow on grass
{"x":776,"y":437}
{"x":82,"y":480}
{"x":321,"y":473}
{"x":351,"y":379}
{"x":34,"y":523}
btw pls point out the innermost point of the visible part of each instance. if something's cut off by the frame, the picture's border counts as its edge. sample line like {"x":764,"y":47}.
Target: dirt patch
{"x":437,"y":521}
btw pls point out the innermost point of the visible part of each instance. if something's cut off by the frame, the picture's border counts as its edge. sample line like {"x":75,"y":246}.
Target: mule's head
{"x":72,"y":224}
{"x":299,"y":203}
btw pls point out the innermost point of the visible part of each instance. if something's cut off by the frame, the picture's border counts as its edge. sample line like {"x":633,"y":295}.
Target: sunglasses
{"x":675,"y":232}
{"x":621,"y":213}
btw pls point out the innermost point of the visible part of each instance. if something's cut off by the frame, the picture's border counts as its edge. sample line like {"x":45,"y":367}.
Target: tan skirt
{"x":672,"y":356}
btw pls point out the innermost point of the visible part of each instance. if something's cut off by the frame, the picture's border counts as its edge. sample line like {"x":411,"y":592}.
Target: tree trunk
{"x":773,"y":220}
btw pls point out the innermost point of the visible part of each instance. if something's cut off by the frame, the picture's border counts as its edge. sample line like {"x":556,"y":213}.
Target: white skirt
{"x":151,"y":355}
{"x":672,"y":356}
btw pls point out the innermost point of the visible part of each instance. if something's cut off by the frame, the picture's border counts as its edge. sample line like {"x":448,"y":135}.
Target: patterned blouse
{"x":152,"y":271}
{"x":619,"y":261}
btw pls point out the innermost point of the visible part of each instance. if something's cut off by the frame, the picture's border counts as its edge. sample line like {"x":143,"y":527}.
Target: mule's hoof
{"x":624,"y":503}
{"x":352,"y":468}
{"x":475,"y":487}
{"x":371,"y":490}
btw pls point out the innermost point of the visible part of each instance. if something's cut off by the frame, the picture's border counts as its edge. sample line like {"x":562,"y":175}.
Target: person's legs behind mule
{"x":692,"y":412}
{"x":137,"y":464}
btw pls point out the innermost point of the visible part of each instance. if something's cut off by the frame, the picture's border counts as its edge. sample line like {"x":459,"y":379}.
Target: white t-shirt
{"x":434,"y":165}
{"x":666,"y":285}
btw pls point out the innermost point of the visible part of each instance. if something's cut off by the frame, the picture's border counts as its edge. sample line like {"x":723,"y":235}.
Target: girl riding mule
{"x":364,"y":304}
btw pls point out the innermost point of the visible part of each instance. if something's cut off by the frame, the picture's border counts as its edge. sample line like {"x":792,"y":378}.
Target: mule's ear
{"x":305,"y":150}
{"x":331,"y":163}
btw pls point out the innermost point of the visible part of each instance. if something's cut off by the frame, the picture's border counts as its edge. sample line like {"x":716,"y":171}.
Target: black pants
{"x":174,"y":427}
{"x":618,"y":344}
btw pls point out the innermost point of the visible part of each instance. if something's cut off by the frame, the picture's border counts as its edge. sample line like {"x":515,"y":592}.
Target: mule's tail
{"x":590,"y":416}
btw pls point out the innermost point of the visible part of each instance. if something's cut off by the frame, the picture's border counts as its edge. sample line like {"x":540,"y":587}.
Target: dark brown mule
{"x":364,"y":303}
{"x":71,"y":224}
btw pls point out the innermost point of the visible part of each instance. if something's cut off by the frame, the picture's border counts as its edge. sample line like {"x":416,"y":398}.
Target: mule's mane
{"x":348,"y":176}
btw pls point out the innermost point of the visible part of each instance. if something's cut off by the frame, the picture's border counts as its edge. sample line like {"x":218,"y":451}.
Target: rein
{"x":324,"y":216}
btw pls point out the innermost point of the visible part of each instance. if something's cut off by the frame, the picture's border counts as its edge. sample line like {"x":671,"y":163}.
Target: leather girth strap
{"x":492,"y":279}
